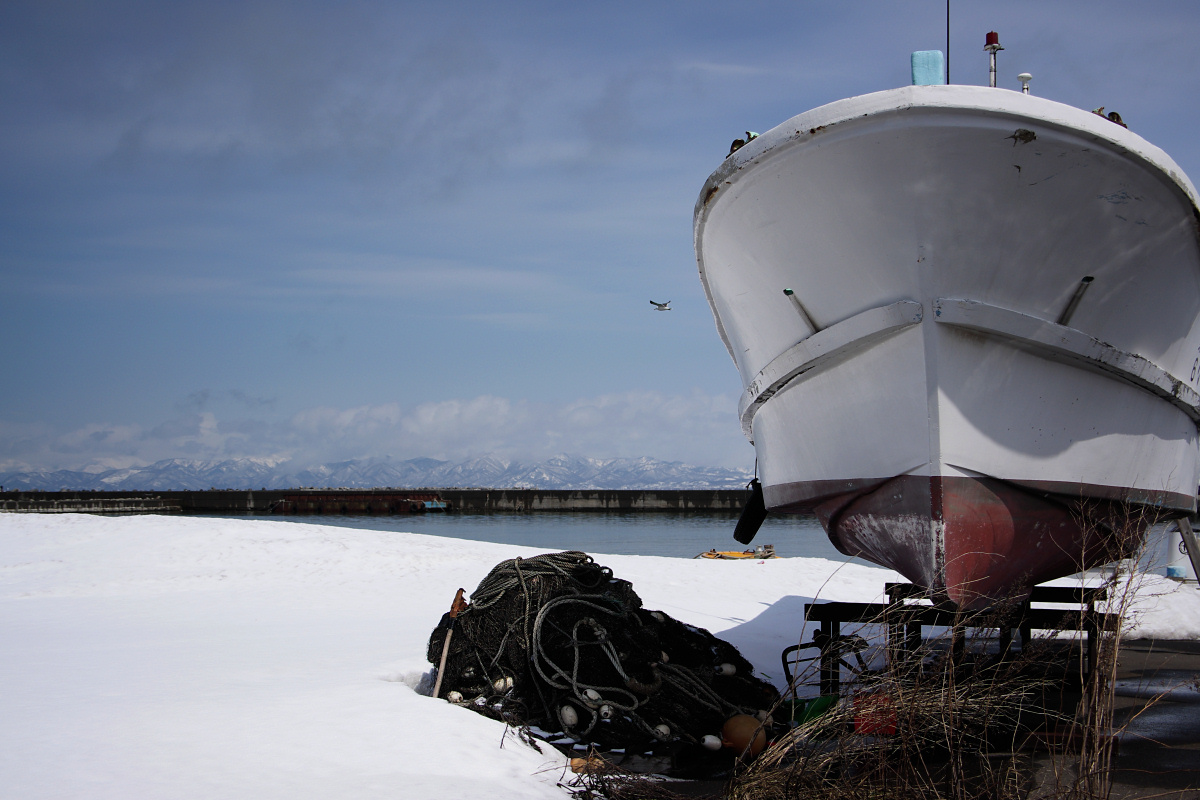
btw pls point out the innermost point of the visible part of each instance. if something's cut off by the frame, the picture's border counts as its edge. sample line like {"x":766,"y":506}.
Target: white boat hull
{"x":917,"y":391}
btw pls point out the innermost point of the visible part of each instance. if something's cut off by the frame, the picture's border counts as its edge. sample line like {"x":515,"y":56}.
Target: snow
{"x":180,"y":657}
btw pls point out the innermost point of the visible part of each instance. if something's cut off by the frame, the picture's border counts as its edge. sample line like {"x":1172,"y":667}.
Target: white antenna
{"x":947,"y":42}
{"x":1024,"y":78}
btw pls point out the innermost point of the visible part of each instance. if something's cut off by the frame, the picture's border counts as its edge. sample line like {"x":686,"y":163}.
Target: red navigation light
{"x":993,"y":40}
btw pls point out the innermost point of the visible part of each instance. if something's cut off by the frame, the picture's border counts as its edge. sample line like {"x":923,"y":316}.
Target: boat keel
{"x":978,"y":541}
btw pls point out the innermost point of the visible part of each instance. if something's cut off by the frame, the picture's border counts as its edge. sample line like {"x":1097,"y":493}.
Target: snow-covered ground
{"x":175,"y":657}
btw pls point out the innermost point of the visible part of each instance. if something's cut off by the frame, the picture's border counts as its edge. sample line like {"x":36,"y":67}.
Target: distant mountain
{"x":560,"y":472}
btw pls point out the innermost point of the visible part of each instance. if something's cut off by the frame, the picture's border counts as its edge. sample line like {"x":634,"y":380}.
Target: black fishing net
{"x":555,"y":643}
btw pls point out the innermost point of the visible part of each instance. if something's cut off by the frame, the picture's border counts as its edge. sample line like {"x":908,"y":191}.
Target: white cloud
{"x":696,"y":428}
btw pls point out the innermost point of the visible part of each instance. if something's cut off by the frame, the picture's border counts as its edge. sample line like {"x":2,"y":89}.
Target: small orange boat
{"x":762,"y":551}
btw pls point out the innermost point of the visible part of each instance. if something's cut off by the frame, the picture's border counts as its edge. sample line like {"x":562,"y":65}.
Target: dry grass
{"x":952,"y":726}
{"x":969,"y":725}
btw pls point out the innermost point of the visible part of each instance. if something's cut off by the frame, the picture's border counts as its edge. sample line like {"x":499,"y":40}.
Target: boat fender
{"x":753,"y":514}
{"x":711,"y":742}
{"x":743,"y":734}
{"x":726,"y":669}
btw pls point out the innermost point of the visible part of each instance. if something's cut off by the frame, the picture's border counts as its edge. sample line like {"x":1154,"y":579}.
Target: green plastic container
{"x":798,"y":712}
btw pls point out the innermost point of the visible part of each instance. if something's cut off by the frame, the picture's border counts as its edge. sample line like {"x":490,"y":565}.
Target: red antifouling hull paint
{"x":977,"y":540}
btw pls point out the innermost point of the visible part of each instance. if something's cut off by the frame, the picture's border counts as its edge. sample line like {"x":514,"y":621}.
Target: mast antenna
{"x":992,"y":44}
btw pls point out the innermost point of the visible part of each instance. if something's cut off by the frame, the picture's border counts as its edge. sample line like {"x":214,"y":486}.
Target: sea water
{"x":659,"y":533}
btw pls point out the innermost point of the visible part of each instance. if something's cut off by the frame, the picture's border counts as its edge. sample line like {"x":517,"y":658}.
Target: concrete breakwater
{"x":377,"y":501}
{"x":595,"y":499}
{"x":94,"y":503}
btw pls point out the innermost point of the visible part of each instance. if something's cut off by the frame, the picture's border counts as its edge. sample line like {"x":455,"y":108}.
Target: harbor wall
{"x":487,"y":500}
{"x":376,"y":501}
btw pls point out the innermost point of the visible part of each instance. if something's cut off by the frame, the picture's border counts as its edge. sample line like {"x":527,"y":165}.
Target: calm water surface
{"x":643,"y":534}
{"x":677,"y":535}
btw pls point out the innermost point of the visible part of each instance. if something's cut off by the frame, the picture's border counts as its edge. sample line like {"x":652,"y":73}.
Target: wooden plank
{"x":1190,"y":544}
{"x":1068,"y":594}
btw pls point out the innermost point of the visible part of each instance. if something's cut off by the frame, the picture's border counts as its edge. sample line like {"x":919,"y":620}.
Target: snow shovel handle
{"x":458,"y":605}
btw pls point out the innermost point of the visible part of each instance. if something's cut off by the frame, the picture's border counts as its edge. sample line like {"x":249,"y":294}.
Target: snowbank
{"x":185,"y":657}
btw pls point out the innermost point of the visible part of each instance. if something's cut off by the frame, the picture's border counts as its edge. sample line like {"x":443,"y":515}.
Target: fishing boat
{"x":965,"y":319}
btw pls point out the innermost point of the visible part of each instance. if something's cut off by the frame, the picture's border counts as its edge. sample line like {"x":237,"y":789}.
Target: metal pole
{"x":992,"y":44}
{"x":801,"y":310}
{"x":1065,"y":317}
{"x":947,"y":42}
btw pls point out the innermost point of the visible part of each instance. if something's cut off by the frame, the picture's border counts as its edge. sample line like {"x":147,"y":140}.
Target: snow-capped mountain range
{"x":560,"y":472}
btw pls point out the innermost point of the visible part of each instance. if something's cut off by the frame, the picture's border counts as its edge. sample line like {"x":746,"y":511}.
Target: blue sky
{"x":325,"y":231}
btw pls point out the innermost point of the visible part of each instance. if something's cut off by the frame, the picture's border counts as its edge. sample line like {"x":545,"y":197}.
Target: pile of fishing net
{"x":556,"y":645}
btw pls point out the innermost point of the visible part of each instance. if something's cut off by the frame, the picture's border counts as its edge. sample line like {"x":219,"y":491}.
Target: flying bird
{"x":661,"y":306}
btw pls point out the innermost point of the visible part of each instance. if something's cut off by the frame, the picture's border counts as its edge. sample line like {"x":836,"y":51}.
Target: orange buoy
{"x":588,"y":766}
{"x":744,"y":734}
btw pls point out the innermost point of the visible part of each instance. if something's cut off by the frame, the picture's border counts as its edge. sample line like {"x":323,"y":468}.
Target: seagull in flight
{"x":661,"y":306}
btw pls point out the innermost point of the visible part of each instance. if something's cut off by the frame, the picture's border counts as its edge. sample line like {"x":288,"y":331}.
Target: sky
{"x":325,"y":231}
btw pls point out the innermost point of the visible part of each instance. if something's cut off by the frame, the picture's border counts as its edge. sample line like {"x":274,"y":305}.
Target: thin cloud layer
{"x":693,"y":428}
